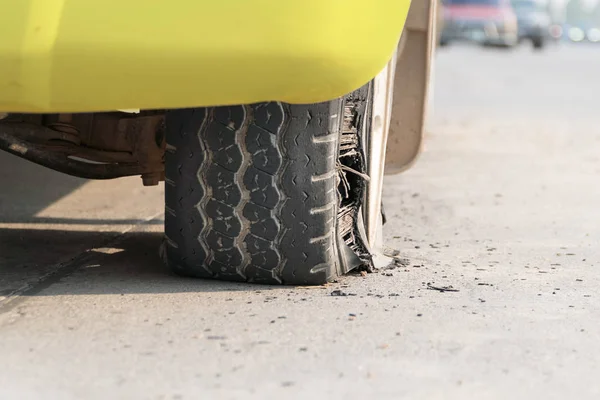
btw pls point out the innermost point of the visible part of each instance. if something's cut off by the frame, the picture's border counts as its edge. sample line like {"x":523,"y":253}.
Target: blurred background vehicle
{"x":581,"y":21}
{"x":488,"y":22}
{"x":534,"y":20}
{"x":493,"y":22}
{"x":440,"y":19}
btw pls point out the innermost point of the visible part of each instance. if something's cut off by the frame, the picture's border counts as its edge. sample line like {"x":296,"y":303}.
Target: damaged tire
{"x":269,"y":193}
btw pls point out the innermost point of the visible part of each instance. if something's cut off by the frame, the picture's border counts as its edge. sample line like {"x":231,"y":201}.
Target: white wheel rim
{"x":376,"y":143}
{"x":383,"y":89}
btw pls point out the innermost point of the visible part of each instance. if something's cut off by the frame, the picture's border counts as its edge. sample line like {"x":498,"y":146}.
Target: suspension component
{"x":92,"y":146}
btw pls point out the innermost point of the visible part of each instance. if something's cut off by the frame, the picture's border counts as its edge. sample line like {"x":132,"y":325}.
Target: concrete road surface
{"x":503,"y":207}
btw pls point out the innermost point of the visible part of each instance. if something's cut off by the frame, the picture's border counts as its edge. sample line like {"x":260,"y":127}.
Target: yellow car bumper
{"x":96,"y":55}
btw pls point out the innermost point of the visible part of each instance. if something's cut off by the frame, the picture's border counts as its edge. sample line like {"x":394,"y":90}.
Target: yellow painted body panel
{"x":96,"y":55}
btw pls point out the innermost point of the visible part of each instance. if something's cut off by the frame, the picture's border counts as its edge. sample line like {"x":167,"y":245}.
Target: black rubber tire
{"x":538,"y":43}
{"x":252,"y":192}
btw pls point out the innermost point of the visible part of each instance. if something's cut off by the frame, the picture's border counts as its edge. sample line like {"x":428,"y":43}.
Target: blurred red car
{"x":489,"y":22}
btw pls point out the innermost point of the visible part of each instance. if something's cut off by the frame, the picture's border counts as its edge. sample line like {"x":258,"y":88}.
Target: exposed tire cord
{"x":351,"y":157}
{"x":251,"y":192}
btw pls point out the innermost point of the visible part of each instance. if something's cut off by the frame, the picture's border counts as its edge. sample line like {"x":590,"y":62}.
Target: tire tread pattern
{"x":251,"y":192}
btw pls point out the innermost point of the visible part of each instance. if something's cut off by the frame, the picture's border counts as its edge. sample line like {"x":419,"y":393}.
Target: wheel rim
{"x":383,"y":88}
{"x":376,"y":139}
